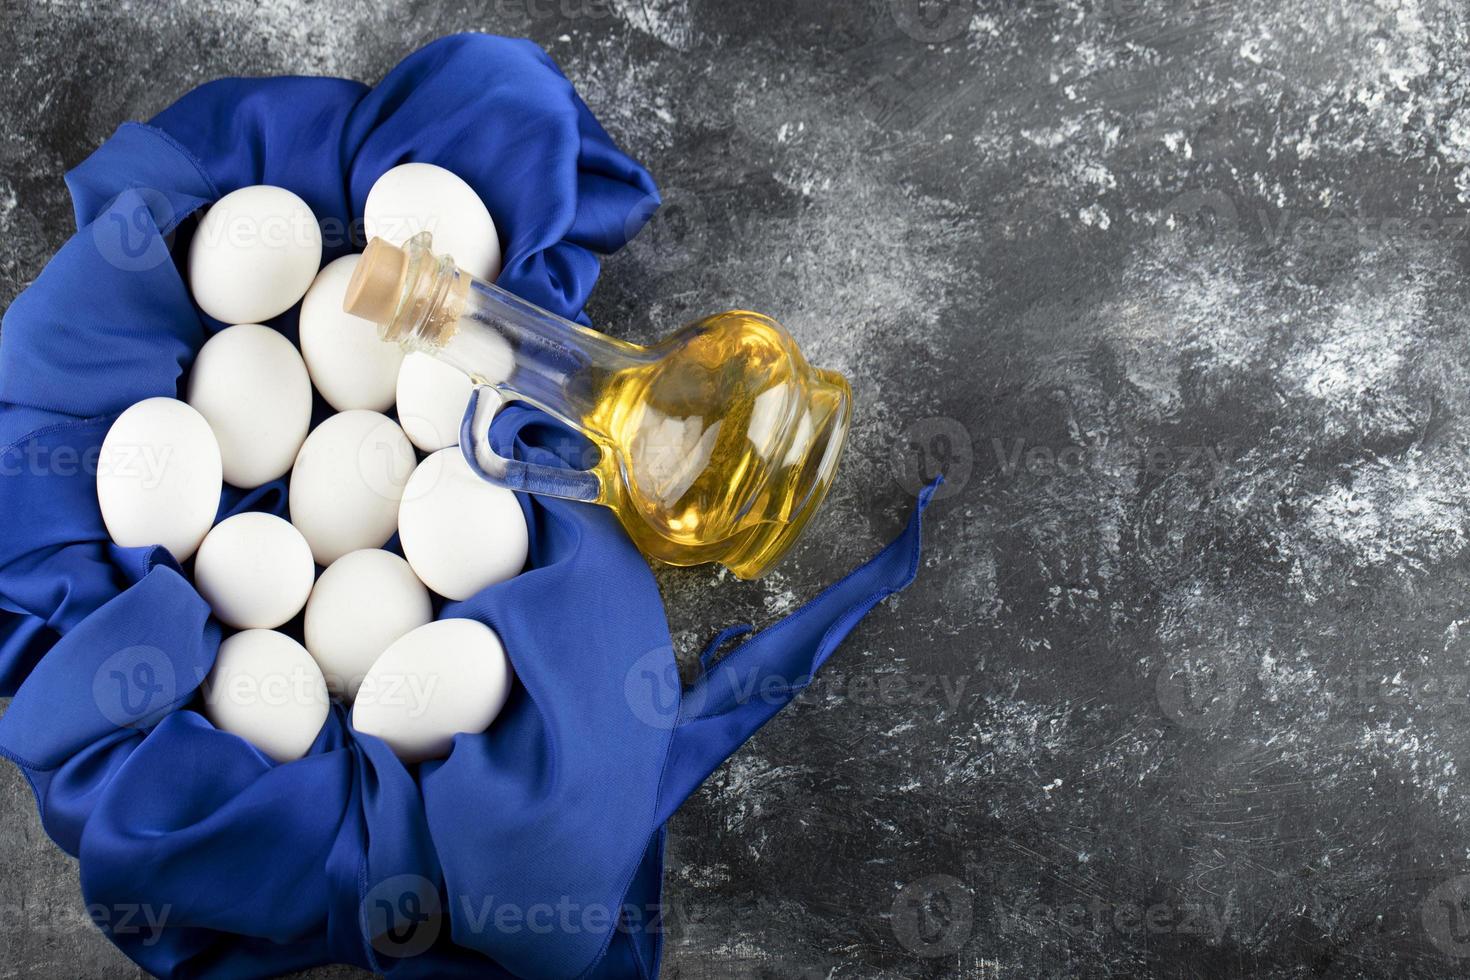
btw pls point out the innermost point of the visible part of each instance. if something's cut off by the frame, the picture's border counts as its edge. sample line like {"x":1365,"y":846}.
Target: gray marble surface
{"x":1175,"y":290}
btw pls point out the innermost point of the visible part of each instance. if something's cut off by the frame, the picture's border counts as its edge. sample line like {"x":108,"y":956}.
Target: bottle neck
{"x":499,"y":339}
{"x":490,"y":334}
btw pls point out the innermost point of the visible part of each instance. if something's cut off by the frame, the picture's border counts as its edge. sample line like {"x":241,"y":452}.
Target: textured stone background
{"x":1176,"y":291}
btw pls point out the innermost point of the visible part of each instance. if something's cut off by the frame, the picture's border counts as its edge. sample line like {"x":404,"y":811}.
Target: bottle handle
{"x":513,"y":474}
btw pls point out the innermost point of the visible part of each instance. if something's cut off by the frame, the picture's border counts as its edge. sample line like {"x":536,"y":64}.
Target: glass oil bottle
{"x":716,"y":444}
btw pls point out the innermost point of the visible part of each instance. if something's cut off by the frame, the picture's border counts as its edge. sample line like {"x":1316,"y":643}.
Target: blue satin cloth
{"x":535,"y":848}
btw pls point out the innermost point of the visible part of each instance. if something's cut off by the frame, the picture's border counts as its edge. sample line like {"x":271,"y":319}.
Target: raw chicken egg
{"x":254,"y":570}
{"x":252,"y":386}
{"x":441,"y":679}
{"x":459,"y":532}
{"x":349,"y":363}
{"x":415,"y":197}
{"x":158,"y":477}
{"x":431,"y":398}
{"x":363,"y":602}
{"x":253,"y":255}
{"x":265,"y":688}
{"x":347,"y":482}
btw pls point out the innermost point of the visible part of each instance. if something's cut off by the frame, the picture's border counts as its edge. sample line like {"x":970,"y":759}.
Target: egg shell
{"x":415,"y":197}
{"x":252,"y":387}
{"x":159,"y":477}
{"x":254,"y":570}
{"x":347,"y":482}
{"x":254,"y":254}
{"x":362,"y":603}
{"x":431,"y":398}
{"x":459,"y":532}
{"x":441,"y":679}
{"x":349,"y":363}
{"x":265,"y":688}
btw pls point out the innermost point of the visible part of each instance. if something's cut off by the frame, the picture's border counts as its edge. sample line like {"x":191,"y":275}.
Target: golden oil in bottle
{"x":720,"y":447}
{"x":716,"y":444}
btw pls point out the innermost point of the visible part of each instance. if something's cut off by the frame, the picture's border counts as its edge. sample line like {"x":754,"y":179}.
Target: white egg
{"x":158,"y":477}
{"x":252,"y":387}
{"x":349,"y":363}
{"x":254,"y":570}
{"x":458,"y":532}
{"x":432,"y":397}
{"x":415,"y":197}
{"x":266,"y":688}
{"x":253,"y":254}
{"x":443,"y":678}
{"x":347,"y":482}
{"x":363,"y":602}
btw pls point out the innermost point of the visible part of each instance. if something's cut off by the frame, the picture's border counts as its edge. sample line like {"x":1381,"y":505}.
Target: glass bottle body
{"x":718,"y":443}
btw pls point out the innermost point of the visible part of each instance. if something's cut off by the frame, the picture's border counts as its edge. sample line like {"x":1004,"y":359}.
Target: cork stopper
{"x":377,"y":282}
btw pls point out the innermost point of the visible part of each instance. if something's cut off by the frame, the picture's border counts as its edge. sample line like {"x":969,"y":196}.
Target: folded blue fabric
{"x":534,"y":849}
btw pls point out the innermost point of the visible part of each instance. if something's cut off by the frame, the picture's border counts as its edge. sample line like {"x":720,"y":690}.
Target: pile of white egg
{"x":355,"y":481}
